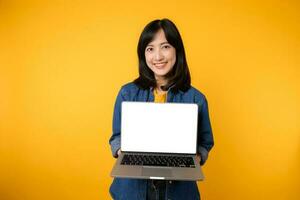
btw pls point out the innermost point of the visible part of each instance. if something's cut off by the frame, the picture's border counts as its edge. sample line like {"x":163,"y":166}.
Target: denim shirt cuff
{"x":115,"y":146}
{"x":203,"y":154}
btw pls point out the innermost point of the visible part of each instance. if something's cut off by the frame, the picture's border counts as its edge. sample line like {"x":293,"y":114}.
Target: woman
{"x":163,"y":77}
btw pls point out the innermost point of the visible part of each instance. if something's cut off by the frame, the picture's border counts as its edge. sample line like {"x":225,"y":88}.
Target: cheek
{"x":170,"y":53}
{"x":147,"y":58}
{"x":148,"y":61}
{"x":173,"y":58}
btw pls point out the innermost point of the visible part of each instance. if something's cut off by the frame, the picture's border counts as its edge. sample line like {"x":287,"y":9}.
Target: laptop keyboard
{"x":158,"y":160}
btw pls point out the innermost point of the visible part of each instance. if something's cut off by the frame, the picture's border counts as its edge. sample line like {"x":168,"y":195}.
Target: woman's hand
{"x":119,"y":152}
{"x":198,"y":155}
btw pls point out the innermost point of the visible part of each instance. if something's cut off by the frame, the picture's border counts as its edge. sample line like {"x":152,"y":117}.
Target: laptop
{"x":158,"y":141}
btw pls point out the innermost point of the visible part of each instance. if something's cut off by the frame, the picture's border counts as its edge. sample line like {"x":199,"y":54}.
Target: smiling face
{"x":160,"y":56}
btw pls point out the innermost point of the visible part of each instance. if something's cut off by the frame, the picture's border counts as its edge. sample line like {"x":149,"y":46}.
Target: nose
{"x":158,"y":55}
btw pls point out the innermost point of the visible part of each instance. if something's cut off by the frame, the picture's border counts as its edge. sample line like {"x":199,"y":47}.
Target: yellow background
{"x":63,"y":62}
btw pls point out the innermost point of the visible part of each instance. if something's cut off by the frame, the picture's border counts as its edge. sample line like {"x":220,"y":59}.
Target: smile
{"x":160,"y":65}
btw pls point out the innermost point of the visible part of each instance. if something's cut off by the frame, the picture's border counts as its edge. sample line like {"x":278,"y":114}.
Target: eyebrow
{"x":159,"y":44}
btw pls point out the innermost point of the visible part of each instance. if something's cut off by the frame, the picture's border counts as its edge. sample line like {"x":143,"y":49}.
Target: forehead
{"x":159,"y":38}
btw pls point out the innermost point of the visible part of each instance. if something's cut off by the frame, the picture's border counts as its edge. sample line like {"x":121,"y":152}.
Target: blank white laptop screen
{"x":159,"y":127}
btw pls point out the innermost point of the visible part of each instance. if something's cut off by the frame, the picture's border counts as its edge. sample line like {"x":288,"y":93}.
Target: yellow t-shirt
{"x":159,"y":98}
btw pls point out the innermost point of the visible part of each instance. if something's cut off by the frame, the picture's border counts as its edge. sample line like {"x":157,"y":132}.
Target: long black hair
{"x":179,"y":77}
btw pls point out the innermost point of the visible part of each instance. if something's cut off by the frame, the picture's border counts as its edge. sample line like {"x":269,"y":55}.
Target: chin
{"x":160,"y":74}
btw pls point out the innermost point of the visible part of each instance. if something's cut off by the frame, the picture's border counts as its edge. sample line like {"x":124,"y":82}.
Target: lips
{"x":160,"y":65}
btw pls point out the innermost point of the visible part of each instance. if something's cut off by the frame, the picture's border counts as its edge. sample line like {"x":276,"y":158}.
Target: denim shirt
{"x":135,"y":189}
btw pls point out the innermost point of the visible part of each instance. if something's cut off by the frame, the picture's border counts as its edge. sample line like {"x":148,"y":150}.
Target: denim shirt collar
{"x":170,"y":94}
{"x":169,"y":90}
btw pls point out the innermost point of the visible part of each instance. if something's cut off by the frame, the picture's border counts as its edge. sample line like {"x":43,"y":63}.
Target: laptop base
{"x":157,"y":172}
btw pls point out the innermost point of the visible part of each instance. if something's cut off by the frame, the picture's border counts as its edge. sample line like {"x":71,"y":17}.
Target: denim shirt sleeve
{"x":205,"y":136}
{"x":115,"y":139}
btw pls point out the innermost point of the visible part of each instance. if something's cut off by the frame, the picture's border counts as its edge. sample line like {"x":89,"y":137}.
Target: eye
{"x":166,"y":47}
{"x":149,"y":49}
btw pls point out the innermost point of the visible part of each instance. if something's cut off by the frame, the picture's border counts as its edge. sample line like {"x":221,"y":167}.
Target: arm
{"x":115,"y":139}
{"x":205,"y":136}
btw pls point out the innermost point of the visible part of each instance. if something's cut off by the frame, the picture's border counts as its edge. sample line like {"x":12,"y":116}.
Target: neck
{"x":160,"y":82}
{"x":159,"y":90}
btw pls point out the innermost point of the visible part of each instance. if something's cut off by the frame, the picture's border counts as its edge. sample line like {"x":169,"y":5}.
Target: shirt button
{"x":170,"y":183}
